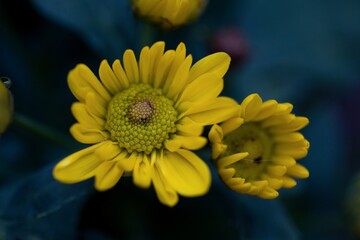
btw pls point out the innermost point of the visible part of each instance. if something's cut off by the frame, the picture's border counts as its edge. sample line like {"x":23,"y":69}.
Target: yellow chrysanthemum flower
{"x":5,"y":107}
{"x":256,"y":151}
{"x":169,"y":13}
{"x":144,"y":118}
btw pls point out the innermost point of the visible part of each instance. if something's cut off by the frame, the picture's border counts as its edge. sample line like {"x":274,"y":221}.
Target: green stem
{"x":39,"y":129}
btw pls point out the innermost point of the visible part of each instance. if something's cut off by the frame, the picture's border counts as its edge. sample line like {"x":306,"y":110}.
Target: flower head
{"x":5,"y":106}
{"x":144,"y":118}
{"x":169,"y":13}
{"x":256,"y":151}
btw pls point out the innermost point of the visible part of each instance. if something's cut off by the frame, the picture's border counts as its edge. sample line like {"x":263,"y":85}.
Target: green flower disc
{"x":141,"y":118}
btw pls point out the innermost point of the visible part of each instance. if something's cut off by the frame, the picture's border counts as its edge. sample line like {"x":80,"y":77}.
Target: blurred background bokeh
{"x":303,"y":52}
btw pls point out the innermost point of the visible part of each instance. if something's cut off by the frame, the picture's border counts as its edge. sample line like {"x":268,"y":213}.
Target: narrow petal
{"x":268,"y":109}
{"x":179,"y":58}
{"x":228,"y":160}
{"x":268,"y":193}
{"x":163,"y":68}
{"x":187,"y":127}
{"x":288,"y":137}
{"x":217,"y":63}
{"x":288,"y":182}
{"x":213,"y":111}
{"x":166,"y":194}
{"x":131,"y":66}
{"x":107,"y":175}
{"x":250,"y":107}
{"x":192,"y":143}
{"x":81,"y":81}
{"x":95,"y":106}
{"x":108,"y":151}
{"x":144,"y":65}
{"x":216,"y":134}
{"x":86,"y":135}
{"x":206,"y":87}
{"x":120,"y":74}
{"x":298,"y":171}
{"x":85,"y":118}
{"x":109,"y":79}
{"x":78,"y":166}
{"x":186,"y":173}
{"x":217,"y":149}
{"x":180,"y":78}
{"x":142,"y":171}
{"x":126,"y":161}
{"x":156,"y":52}
{"x":231,"y":124}
{"x":226,"y":173}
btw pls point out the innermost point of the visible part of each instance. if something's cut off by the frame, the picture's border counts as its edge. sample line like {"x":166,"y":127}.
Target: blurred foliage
{"x":303,"y":52}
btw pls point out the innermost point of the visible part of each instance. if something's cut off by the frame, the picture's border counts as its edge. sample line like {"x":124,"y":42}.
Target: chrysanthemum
{"x":144,"y":118}
{"x":168,"y":13}
{"x":256,"y":151}
{"x":5,"y":107}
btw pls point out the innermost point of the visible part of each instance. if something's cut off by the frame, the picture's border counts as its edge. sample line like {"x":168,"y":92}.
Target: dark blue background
{"x":303,"y":52}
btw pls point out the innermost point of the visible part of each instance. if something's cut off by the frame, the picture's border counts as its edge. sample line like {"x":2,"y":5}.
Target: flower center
{"x":251,"y":138}
{"x":141,"y":118}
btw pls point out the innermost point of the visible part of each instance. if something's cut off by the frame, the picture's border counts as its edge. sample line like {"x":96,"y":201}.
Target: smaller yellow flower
{"x":5,"y":107}
{"x":169,"y":13}
{"x":256,"y":151}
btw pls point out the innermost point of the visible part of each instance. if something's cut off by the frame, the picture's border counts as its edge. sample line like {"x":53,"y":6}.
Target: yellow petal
{"x":298,"y":171}
{"x":166,"y":194}
{"x":86,"y":135}
{"x":107,"y":175}
{"x":120,"y":74}
{"x":179,"y":58}
{"x":231,"y":124}
{"x":217,"y":63}
{"x":268,"y":193}
{"x":216,"y":134}
{"x":217,"y":149}
{"x":187,"y":127}
{"x":81,"y":81}
{"x":163,"y":68}
{"x":226,"y":173}
{"x":131,"y":66}
{"x":206,"y":87}
{"x":233,"y":182}
{"x":186,"y":173}
{"x":288,"y":137}
{"x":213,"y":111}
{"x":192,"y":143}
{"x":228,"y":160}
{"x":85,"y":118}
{"x":144,"y":65}
{"x":108,"y":78}
{"x":142,"y":171}
{"x":288,"y":182}
{"x":78,"y":166}
{"x":95,"y":106}
{"x":295,"y":124}
{"x":268,"y":109}
{"x":276,"y":171}
{"x":156,"y":52}
{"x":284,"y":160}
{"x":277,"y":120}
{"x":108,"y":151}
{"x":180,"y":78}
{"x":126,"y":161}
{"x":250,"y":107}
